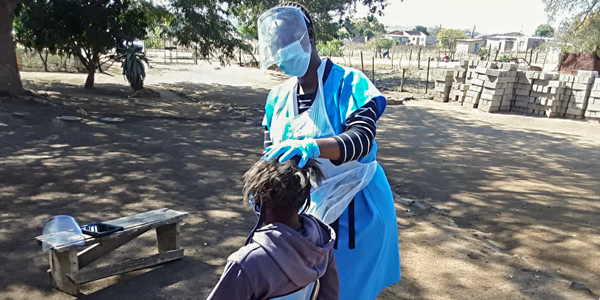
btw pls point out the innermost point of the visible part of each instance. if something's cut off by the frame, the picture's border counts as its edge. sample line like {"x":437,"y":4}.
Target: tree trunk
{"x":89,"y":82}
{"x":44,"y":61}
{"x":10,"y":79}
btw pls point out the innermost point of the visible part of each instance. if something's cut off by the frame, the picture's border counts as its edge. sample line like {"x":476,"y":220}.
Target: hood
{"x":303,"y":256}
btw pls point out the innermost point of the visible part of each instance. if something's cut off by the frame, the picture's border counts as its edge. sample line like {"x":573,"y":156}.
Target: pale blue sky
{"x":499,"y":16}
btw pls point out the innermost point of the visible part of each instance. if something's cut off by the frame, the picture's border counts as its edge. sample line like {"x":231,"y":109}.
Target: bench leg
{"x":62,"y":263}
{"x":168,"y":237}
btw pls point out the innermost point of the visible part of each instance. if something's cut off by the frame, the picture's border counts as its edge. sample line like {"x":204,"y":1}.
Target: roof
{"x":470,"y":40}
{"x":501,"y":35}
{"x":413,"y":32}
{"x":399,"y":32}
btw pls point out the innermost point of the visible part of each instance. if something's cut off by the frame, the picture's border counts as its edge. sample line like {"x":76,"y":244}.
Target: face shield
{"x":283,"y":40}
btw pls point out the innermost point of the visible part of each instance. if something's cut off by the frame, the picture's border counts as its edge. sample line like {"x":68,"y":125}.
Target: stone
{"x":579,"y":285}
{"x":582,"y":73}
{"x":580,"y":86}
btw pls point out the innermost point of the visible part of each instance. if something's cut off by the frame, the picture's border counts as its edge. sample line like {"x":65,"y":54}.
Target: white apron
{"x":341,"y":183}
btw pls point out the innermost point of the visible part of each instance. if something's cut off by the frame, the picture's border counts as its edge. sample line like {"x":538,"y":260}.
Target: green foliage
{"x":327,"y":15}
{"x":580,"y":27}
{"x":343,"y":34}
{"x":132,"y":59}
{"x":434,"y":31}
{"x":483,"y":53}
{"x":333,"y":48}
{"x":544,"y":30}
{"x":85,"y":30}
{"x":380,"y":44}
{"x":422,"y":29}
{"x":449,"y":37}
{"x":202,"y":26}
{"x":506,"y":58}
{"x":364,"y":27}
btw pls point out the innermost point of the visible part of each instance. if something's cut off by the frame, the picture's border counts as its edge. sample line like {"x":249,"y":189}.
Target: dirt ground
{"x":490,"y":206}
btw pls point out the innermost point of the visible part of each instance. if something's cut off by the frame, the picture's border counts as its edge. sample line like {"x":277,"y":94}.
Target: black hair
{"x":309,"y":22}
{"x":281,"y":186}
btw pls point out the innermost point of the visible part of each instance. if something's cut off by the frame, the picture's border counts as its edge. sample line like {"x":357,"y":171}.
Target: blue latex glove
{"x":306,"y":149}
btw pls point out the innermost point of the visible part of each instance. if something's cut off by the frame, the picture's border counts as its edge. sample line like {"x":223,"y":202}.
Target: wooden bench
{"x":68,"y":263}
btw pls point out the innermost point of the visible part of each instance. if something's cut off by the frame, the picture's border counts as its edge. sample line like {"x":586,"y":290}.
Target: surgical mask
{"x":293,"y":60}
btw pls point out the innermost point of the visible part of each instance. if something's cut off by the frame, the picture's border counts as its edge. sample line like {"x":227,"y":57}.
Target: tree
{"x":10,"y":80}
{"x":333,"y":47}
{"x":434,"y":31}
{"x":580,"y":28}
{"x":201,"y":25}
{"x":327,"y":15}
{"x":85,"y":30}
{"x":381,"y":44}
{"x":422,"y":29}
{"x":448,"y":38}
{"x":35,"y":29}
{"x":544,"y":30}
{"x":364,"y":27}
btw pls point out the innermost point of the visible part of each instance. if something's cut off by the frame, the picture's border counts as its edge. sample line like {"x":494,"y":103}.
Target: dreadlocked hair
{"x":281,"y":186}
{"x":309,"y":23}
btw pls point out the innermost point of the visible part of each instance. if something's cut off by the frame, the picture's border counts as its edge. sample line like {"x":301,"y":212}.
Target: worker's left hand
{"x":306,"y":149}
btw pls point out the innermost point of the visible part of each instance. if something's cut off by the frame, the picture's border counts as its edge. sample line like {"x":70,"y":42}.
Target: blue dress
{"x":374,"y":263}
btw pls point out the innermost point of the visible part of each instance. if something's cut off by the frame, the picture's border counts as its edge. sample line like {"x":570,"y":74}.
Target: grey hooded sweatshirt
{"x":279,"y":261}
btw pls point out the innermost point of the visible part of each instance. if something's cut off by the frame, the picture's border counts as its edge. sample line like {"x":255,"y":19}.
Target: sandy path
{"x":517,"y":196}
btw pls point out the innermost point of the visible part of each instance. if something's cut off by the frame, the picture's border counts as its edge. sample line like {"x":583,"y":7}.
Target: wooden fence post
{"x":531,"y":57}
{"x":419,"y":59}
{"x":362,"y":63}
{"x":373,"y":69}
{"x":402,"y":82}
{"x":427,"y":81}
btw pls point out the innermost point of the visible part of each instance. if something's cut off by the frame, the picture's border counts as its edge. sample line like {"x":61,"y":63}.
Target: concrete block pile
{"x":497,"y":87}
{"x":443,"y":86}
{"x":523,"y":85}
{"x":492,"y":87}
{"x":459,"y":85}
{"x":479,"y":76}
{"x":593,"y":108}
{"x":498,"y":90}
{"x":547,"y":94}
{"x":580,"y":90}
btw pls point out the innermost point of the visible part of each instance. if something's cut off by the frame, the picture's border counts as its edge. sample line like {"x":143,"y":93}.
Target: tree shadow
{"x":480,"y":173}
{"x":534,"y":192}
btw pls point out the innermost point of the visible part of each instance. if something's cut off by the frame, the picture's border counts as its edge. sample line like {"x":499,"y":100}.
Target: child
{"x":291,"y":250}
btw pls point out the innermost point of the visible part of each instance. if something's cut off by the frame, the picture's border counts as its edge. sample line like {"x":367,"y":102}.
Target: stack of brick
{"x":478,"y":78}
{"x":593,"y":108}
{"x":498,"y":88}
{"x":580,"y":94}
{"x":459,"y":87}
{"x":443,"y":85}
{"x":520,"y":102}
{"x":547,"y":94}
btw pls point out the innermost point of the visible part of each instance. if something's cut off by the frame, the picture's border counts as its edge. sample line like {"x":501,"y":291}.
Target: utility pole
{"x":473,"y":32}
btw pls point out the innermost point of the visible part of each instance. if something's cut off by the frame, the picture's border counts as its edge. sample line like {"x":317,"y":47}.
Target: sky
{"x":490,"y":17}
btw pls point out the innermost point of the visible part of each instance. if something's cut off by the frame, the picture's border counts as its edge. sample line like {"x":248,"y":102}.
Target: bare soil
{"x":490,"y":206}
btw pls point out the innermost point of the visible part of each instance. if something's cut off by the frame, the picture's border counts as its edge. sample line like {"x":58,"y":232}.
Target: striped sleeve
{"x":359,"y":132}
{"x":267,"y":139}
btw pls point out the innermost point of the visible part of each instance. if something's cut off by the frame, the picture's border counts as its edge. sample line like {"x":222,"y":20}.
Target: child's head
{"x":281,"y":187}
